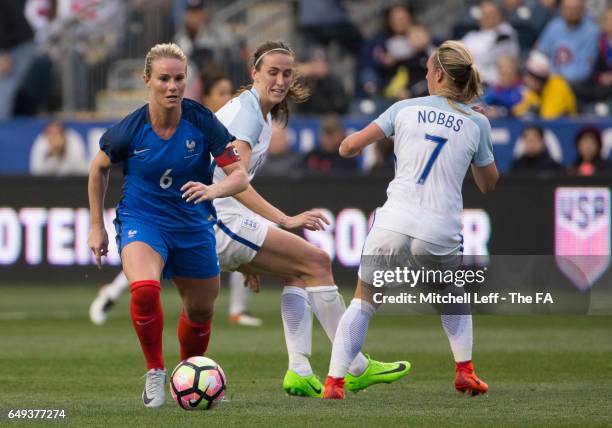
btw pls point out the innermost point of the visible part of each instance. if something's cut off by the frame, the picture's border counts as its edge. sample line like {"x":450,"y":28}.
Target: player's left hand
{"x":252,"y":282}
{"x":311,"y":220}
{"x":196,"y":192}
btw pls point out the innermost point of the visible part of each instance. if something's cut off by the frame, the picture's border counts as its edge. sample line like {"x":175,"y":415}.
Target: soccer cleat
{"x":334,"y":388}
{"x":154,"y":394}
{"x":302,"y":386}
{"x":98,"y":310}
{"x":245,"y":319}
{"x":376,"y":372}
{"x":466,"y":380}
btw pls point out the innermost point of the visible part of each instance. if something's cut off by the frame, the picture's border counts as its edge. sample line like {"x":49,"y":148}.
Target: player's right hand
{"x":196,"y":192}
{"x":98,"y":243}
{"x":252,"y":282}
{"x":311,"y":220}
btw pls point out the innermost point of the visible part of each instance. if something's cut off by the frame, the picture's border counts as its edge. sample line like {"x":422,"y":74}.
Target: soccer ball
{"x":197,"y":383}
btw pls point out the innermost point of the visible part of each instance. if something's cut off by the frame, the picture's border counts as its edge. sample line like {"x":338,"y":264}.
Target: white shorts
{"x":239,"y":237}
{"x":386,"y":250}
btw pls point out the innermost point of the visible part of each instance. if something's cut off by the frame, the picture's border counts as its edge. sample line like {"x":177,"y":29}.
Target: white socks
{"x":118,"y":286}
{"x":458,"y":328}
{"x":328,"y":306}
{"x":350,"y":336}
{"x":239,"y":294}
{"x":297,"y":305}
{"x":297,"y":324}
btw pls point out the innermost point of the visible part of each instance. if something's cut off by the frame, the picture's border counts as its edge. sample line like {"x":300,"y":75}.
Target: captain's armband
{"x":228,"y":156}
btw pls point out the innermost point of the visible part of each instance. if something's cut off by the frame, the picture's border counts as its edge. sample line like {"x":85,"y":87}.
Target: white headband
{"x":271,"y":50}
{"x":441,"y":66}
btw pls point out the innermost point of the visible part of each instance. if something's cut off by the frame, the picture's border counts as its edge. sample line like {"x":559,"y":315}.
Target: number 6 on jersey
{"x":440,"y":141}
{"x":166,"y":179}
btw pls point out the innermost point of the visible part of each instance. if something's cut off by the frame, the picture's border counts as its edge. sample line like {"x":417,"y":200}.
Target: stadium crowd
{"x":541,"y":59}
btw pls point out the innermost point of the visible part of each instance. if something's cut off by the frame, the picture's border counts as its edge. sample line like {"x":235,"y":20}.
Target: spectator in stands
{"x":589,"y":160}
{"x":494,"y":39}
{"x":528,"y":19}
{"x":409,"y":80}
{"x":216,"y":89}
{"x":325,"y":158}
{"x":327,"y":94}
{"x":322,"y":22}
{"x":382,"y":55}
{"x":17,"y":51}
{"x":602,"y":76}
{"x":570,"y":41}
{"x":206,"y":40}
{"x":500,"y":98}
{"x":282,"y":161}
{"x":545,"y":95}
{"x":467,"y":21}
{"x":81,"y":37}
{"x":535,"y":159}
{"x":56,"y":153}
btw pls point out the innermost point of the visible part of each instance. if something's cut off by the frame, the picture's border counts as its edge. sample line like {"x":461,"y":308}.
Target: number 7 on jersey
{"x":440,"y":141}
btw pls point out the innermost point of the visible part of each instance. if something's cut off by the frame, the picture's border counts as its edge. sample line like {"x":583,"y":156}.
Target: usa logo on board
{"x":582,"y":233}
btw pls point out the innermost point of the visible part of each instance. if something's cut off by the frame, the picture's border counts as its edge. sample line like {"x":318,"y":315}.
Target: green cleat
{"x":302,"y":386}
{"x":376,"y":372}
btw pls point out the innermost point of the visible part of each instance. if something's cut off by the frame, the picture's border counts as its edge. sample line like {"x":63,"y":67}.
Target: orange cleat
{"x":466,"y":380}
{"x":245,"y":319}
{"x":334,"y":388}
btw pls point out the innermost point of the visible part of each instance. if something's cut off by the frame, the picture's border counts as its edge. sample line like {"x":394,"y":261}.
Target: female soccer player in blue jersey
{"x":246,"y":243}
{"x":216,"y":92}
{"x":437,"y":138}
{"x":165,"y":216}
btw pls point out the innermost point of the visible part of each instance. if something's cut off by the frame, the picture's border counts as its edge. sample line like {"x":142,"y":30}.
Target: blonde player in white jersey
{"x":246,"y":242}
{"x":437,"y":139}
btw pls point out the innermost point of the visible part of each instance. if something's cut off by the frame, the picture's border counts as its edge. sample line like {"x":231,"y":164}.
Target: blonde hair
{"x":453,"y":58}
{"x":163,"y":50}
{"x":297,"y":92}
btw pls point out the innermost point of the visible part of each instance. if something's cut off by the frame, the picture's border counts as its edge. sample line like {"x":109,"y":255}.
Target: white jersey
{"x":243,"y":118}
{"x":434,"y":147}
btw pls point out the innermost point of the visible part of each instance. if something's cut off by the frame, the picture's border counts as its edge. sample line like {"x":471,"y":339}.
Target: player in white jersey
{"x":437,"y":139}
{"x":247,"y":243}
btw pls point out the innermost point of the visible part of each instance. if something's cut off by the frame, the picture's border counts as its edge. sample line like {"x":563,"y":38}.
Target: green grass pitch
{"x":542,"y":370}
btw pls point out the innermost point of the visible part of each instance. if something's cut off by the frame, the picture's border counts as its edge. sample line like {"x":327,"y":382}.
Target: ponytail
{"x":457,"y":63}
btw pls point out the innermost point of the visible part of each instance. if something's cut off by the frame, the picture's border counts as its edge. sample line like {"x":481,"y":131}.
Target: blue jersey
{"x":155,"y":169}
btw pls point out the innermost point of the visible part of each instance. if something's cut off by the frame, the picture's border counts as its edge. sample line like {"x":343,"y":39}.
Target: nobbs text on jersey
{"x":440,"y":118}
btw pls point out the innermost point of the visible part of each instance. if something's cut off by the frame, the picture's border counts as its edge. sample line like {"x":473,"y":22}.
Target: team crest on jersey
{"x":582,"y":233}
{"x":250,"y":224}
{"x":131,"y":233}
{"x":190,"y":144}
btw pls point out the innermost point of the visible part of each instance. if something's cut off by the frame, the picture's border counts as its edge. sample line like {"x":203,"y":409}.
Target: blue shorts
{"x":190,"y":254}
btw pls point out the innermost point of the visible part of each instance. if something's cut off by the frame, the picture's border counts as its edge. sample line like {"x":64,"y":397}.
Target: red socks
{"x":193,"y":337}
{"x":148,"y":320}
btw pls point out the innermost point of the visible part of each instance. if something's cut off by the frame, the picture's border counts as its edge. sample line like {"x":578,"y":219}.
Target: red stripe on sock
{"x":193,"y":337}
{"x":148,"y":320}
